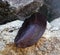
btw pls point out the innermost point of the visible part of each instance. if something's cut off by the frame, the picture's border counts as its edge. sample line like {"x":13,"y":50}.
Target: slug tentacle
{"x":32,"y":29}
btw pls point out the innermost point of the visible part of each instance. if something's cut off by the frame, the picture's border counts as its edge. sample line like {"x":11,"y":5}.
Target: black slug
{"x":31,"y":31}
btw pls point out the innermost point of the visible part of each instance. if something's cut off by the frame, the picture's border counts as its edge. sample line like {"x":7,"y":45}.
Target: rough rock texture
{"x":25,"y":8}
{"x":7,"y":13}
{"x":11,"y":10}
{"x":20,"y":3}
{"x":54,"y":8}
{"x":49,"y":44}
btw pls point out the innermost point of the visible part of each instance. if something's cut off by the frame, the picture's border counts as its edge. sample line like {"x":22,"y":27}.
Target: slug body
{"x":31,"y":31}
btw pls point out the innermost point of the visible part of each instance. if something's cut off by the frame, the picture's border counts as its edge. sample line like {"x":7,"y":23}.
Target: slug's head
{"x":31,"y":31}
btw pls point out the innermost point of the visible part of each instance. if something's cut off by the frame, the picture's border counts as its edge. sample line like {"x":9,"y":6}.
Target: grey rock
{"x":56,"y":24}
{"x":50,"y":46}
{"x":7,"y":13}
{"x":20,"y":3}
{"x":25,"y":8}
{"x":54,"y":6}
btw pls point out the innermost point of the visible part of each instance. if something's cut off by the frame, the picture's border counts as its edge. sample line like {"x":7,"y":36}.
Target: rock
{"x":56,"y":23}
{"x":53,"y":29}
{"x":48,"y":25}
{"x":47,"y":45}
{"x":7,"y":13}
{"x":9,"y":31}
{"x":54,"y":8}
{"x":25,"y":8}
{"x":20,"y":3}
{"x":11,"y":10}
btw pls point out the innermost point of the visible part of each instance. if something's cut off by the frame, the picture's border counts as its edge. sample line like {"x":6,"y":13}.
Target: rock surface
{"x":7,"y":13}
{"x":47,"y":45}
{"x":54,"y":7}
{"x":11,"y":10}
{"x":25,"y":8}
{"x":20,"y":3}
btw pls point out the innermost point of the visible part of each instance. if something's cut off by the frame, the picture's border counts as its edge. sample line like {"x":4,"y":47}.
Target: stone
{"x":47,"y":45}
{"x":54,"y":8}
{"x":11,"y":10}
{"x":25,"y":8}
{"x":56,"y":23}
{"x":7,"y":13}
{"x":20,"y":3}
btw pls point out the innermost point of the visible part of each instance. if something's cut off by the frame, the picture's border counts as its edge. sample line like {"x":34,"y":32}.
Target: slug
{"x":31,"y":31}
